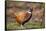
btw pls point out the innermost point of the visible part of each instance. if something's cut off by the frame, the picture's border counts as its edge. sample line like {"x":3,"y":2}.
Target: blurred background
{"x":37,"y":20}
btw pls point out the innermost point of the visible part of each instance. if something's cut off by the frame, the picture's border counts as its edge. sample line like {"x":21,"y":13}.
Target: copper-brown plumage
{"x":22,"y":17}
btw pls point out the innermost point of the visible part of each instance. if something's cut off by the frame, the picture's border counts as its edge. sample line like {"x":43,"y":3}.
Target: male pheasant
{"x":23,"y":16}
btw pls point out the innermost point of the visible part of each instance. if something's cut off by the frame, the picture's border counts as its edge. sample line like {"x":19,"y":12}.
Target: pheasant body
{"x":22,"y":17}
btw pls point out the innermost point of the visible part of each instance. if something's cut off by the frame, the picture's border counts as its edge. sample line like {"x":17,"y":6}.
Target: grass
{"x":29,"y":25}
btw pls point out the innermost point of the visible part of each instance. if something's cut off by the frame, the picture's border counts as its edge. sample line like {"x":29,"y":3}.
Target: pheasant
{"x":23,"y":17}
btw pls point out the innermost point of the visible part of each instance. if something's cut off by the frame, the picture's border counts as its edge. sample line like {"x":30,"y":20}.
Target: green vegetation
{"x":29,"y":25}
